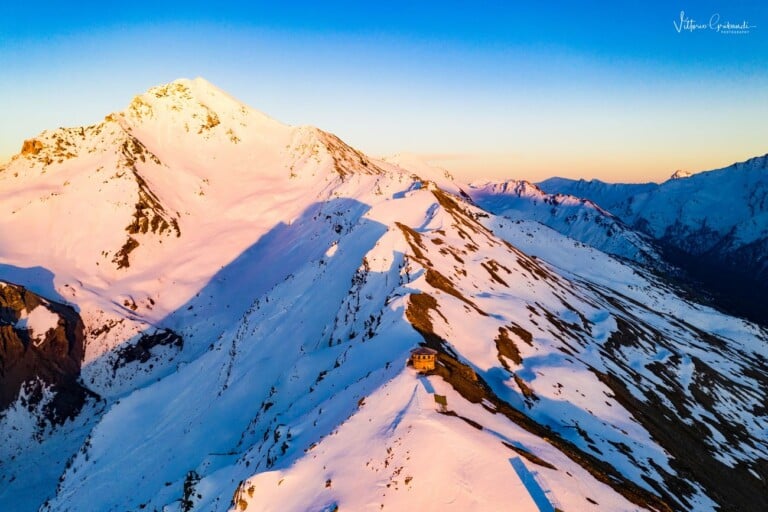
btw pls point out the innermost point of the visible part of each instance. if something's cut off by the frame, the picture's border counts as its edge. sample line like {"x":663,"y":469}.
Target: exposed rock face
{"x":51,"y":358}
{"x":150,"y":216}
{"x":141,"y":351}
{"x":31,"y":147}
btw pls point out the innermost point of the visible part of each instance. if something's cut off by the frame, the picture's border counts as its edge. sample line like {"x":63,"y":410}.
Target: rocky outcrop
{"x":141,"y":351}
{"x":40,"y":359}
{"x":31,"y":147}
{"x":149,"y":216}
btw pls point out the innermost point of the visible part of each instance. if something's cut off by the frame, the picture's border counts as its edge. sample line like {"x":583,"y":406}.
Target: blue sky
{"x":501,"y":89}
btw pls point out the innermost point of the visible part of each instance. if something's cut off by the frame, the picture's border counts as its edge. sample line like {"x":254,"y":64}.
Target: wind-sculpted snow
{"x":255,"y":356}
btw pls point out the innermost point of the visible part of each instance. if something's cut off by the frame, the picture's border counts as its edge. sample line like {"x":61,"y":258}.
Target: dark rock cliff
{"x":51,"y":359}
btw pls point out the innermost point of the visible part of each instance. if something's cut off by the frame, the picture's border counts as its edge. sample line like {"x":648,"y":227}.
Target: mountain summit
{"x":204,"y":309}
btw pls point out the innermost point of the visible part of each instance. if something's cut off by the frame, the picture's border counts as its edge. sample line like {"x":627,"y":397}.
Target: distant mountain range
{"x":202,"y":308}
{"x":580,"y":219}
{"x":712,"y":224}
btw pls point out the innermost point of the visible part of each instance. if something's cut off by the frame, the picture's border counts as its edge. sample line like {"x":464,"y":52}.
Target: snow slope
{"x":252,"y":353}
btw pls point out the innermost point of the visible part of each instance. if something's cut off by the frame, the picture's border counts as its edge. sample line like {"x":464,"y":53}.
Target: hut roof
{"x":424,"y":351}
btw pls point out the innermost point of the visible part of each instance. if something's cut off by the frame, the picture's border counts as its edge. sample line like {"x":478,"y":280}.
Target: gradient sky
{"x":605,"y":90}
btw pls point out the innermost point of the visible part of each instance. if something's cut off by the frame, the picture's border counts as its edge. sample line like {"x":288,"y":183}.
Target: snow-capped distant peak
{"x":680,"y":174}
{"x":516,"y":187}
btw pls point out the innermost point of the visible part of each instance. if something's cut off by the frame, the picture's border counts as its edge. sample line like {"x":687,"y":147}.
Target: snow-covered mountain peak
{"x":168,"y":119}
{"x":195,"y":118}
{"x":680,"y":174}
{"x":194,"y":125}
{"x":183,"y":169}
{"x":197,"y":104}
